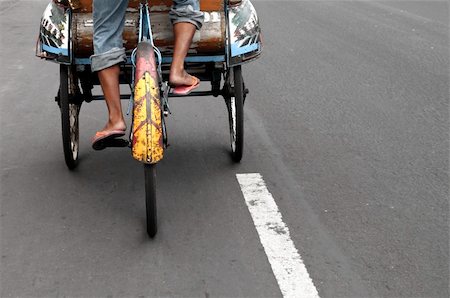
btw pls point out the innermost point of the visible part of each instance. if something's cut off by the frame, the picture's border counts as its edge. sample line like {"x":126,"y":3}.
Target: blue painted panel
{"x":198,"y":59}
{"x":53,"y":50}
{"x":166,"y":60}
{"x":236,"y":50}
{"x":82,"y":61}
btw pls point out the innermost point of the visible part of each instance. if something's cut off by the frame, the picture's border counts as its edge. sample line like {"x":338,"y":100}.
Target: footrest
{"x":113,"y":143}
{"x":116,"y":143}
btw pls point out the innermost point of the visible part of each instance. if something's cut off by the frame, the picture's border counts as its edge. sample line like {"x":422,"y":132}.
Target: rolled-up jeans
{"x":109,"y":21}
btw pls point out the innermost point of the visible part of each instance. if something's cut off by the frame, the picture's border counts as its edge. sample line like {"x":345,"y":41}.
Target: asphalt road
{"x":347,"y":121}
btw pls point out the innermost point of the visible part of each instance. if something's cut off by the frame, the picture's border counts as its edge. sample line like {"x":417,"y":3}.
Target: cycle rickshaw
{"x":230,"y":37}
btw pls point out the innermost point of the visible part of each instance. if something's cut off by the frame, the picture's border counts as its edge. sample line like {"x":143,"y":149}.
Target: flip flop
{"x":101,"y":138}
{"x":186,"y":89}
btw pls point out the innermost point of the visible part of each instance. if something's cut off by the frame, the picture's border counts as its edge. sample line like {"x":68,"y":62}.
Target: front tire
{"x":69,"y":120}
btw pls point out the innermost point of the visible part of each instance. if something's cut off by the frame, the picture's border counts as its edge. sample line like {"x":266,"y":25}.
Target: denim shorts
{"x":109,"y":20}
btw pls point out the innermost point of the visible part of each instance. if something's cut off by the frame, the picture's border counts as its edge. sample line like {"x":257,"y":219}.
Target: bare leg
{"x":183,"y":32}
{"x":109,"y":80}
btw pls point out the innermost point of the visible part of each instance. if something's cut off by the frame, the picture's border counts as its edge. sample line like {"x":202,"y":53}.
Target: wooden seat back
{"x":155,"y":5}
{"x":209,"y":40}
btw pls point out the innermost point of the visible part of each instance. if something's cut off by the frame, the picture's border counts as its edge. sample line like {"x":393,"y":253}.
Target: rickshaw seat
{"x":210,"y":40}
{"x":155,"y":5}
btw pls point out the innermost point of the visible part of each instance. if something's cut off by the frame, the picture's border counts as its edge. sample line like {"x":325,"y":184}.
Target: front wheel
{"x":69,"y":119}
{"x":150,"y":199}
{"x":235,"y":105}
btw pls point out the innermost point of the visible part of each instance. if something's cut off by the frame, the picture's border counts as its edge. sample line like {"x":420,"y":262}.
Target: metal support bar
{"x":101,"y":97}
{"x":196,"y":93}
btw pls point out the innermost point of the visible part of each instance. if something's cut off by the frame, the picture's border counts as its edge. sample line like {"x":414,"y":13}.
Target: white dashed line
{"x":287,"y":264}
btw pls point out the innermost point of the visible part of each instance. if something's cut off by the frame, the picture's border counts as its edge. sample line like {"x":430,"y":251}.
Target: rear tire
{"x":150,"y":199}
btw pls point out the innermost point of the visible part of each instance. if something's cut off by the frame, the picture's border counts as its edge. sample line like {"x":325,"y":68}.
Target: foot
{"x":182,"y":79}
{"x":109,"y":133}
{"x":104,"y":139}
{"x":184,"y":84}
{"x":113,"y":126}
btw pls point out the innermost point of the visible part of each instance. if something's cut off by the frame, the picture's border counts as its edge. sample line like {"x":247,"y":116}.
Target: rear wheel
{"x":69,"y":119}
{"x":235,"y":105}
{"x":150,"y":199}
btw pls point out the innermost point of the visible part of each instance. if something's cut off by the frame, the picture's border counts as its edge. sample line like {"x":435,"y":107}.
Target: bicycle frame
{"x":145,"y":31}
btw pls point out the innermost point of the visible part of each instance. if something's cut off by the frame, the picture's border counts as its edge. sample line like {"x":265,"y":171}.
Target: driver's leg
{"x":186,"y":18}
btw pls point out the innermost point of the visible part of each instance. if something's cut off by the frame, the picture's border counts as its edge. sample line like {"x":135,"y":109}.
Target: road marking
{"x":287,"y":264}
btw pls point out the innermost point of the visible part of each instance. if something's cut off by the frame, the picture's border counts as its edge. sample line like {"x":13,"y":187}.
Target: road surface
{"x":347,"y":123}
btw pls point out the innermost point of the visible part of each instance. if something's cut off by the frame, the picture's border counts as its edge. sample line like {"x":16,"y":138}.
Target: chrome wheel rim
{"x":233,"y":123}
{"x":74,"y":129}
